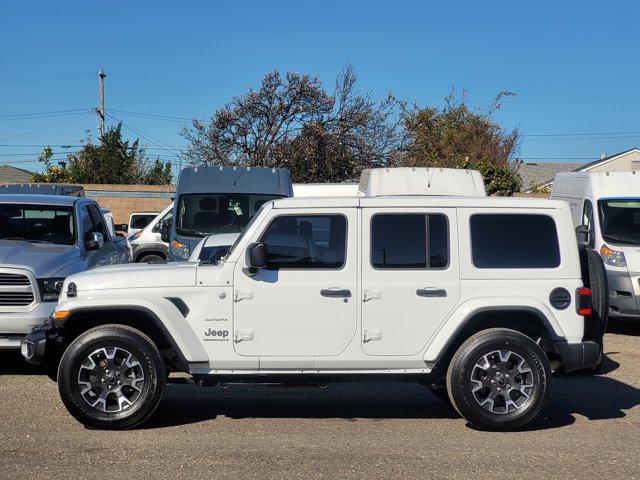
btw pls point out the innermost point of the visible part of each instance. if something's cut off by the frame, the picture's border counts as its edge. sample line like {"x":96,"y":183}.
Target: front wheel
{"x":499,"y":379}
{"x":111,"y":377}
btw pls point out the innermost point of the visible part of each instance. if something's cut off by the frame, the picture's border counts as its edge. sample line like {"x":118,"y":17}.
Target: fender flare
{"x":145,"y":250}
{"x":177,"y":331}
{"x":460,"y":317}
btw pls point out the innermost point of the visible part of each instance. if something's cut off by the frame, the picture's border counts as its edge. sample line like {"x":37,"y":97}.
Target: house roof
{"x":540,"y":173}
{"x":9,"y":173}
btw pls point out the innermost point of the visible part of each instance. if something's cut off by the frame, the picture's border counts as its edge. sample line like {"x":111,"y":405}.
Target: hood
{"x":43,"y":259}
{"x":136,"y":275}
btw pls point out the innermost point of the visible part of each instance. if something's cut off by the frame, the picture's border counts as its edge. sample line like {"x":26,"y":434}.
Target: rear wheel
{"x":111,"y":377}
{"x":499,"y":379}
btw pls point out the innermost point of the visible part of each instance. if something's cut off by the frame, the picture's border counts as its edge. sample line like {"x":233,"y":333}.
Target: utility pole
{"x":100,"y":111}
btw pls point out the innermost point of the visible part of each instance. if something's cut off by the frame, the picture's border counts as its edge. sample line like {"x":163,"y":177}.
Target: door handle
{"x":431,"y":292}
{"x":336,"y":292}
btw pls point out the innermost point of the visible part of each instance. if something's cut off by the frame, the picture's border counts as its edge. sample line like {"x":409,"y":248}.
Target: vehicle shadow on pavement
{"x":595,"y":397}
{"x":624,"y":327}
{"x":349,"y":401}
{"x":12,"y":363}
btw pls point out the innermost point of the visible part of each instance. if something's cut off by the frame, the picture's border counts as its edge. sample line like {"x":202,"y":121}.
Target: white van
{"x":608,"y":204}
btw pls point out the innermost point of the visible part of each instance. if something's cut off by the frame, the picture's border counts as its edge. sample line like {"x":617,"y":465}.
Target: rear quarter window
{"x":514,"y":241}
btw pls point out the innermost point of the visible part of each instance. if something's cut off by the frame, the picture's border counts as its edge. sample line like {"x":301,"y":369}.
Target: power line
{"x":156,"y":116}
{"x":45,"y":127}
{"x":155,"y":141}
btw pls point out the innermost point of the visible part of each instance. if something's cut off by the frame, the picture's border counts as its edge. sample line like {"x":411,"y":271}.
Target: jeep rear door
{"x":410,"y":277}
{"x":304,"y":303}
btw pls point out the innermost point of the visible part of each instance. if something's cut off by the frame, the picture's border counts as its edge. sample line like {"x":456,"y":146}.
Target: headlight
{"x":179,"y":251}
{"x":611,"y":257}
{"x":50,"y":288}
{"x":135,"y":235}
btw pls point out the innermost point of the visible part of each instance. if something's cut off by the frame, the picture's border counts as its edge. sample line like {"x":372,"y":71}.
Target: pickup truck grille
{"x":15,"y":290}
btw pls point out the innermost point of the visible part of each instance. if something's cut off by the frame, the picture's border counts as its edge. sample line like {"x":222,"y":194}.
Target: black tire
{"x":594,"y":277}
{"x":464,"y":364}
{"x":147,"y":362}
{"x":152,"y":258}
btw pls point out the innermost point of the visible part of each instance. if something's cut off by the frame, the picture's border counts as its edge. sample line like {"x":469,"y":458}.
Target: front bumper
{"x":623,"y":298}
{"x":578,"y":356}
{"x":21,"y":323}
{"x":38,"y":344}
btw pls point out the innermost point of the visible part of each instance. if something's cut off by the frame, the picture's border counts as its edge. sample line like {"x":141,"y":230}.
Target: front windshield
{"x":205,"y":214}
{"x":37,"y":223}
{"x":620,"y":220}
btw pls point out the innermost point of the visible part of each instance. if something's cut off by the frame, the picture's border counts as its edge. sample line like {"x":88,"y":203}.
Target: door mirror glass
{"x":583,"y":235}
{"x":256,"y":256}
{"x":95,"y":241}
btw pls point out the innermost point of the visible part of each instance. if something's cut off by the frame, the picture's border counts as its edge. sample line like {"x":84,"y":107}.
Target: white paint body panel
{"x":277,"y":321}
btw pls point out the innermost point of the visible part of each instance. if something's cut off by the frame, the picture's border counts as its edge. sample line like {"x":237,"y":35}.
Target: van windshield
{"x":205,"y":214}
{"x":620,"y":220}
{"x":37,"y":223}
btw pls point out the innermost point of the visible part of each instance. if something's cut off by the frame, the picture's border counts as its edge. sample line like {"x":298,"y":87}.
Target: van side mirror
{"x":256,"y":256}
{"x":94,"y":241}
{"x":165,"y":231}
{"x":583,"y":235}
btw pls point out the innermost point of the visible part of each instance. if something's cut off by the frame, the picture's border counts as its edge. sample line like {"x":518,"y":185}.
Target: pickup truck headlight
{"x":180,"y":251}
{"x":135,"y":235}
{"x":611,"y":257}
{"x":50,"y":288}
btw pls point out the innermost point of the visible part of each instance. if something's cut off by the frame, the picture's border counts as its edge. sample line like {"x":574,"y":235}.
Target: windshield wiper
{"x":190,"y":231}
{"x":616,"y":238}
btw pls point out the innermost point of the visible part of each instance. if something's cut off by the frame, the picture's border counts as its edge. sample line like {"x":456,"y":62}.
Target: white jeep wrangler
{"x":475,"y":297}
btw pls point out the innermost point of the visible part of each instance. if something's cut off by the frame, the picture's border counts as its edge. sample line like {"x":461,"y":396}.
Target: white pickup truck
{"x":475,"y":297}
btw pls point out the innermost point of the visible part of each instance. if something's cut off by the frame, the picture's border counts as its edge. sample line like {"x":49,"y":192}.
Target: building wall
{"x":124,"y":199}
{"x":627,"y":161}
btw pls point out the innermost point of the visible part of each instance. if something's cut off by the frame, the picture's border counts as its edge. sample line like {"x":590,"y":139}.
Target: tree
{"x":294,"y":123}
{"x":114,"y":161}
{"x":457,"y":136}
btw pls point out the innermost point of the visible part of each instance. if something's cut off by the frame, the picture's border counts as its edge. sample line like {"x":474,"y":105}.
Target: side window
{"x":87,"y":223}
{"x":140,"y":221}
{"x":306,"y":241}
{"x":98,"y":221}
{"x":587,"y":214}
{"x":514,"y":241}
{"x":166,"y":219}
{"x":409,"y":241}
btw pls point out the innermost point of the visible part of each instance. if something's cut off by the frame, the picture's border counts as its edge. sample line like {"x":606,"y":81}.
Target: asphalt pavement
{"x":364,"y":430}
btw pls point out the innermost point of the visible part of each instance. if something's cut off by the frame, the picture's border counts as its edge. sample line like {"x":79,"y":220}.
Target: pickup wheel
{"x":499,"y":379}
{"x":111,"y":377}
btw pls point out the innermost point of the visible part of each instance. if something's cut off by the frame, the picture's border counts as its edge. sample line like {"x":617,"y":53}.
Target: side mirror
{"x":95,"y":241}
{"x":583,"y":235}
{"x":165,"y":231}
{"x":256,"y":256}
{"x":121,"y":227}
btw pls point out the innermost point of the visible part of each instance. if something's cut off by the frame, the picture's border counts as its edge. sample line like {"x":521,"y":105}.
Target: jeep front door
{"x":410,"y":280}
{"x":304,"y":302}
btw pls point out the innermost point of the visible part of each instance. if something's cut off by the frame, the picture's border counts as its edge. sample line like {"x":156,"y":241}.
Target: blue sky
{"x":574,"y":65}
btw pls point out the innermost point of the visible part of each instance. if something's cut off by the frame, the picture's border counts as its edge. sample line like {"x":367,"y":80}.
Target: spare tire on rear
{"x":594,"y":277}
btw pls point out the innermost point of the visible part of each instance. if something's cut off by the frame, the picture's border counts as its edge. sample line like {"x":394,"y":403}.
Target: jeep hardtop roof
{"x":418,"y":201}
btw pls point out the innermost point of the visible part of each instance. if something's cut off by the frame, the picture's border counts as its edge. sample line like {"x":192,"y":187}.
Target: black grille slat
{"x":15,"y":298}
{"x":13,"y":279}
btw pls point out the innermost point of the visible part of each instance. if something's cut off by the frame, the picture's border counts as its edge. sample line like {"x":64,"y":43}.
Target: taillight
{"x":583,"y":301}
